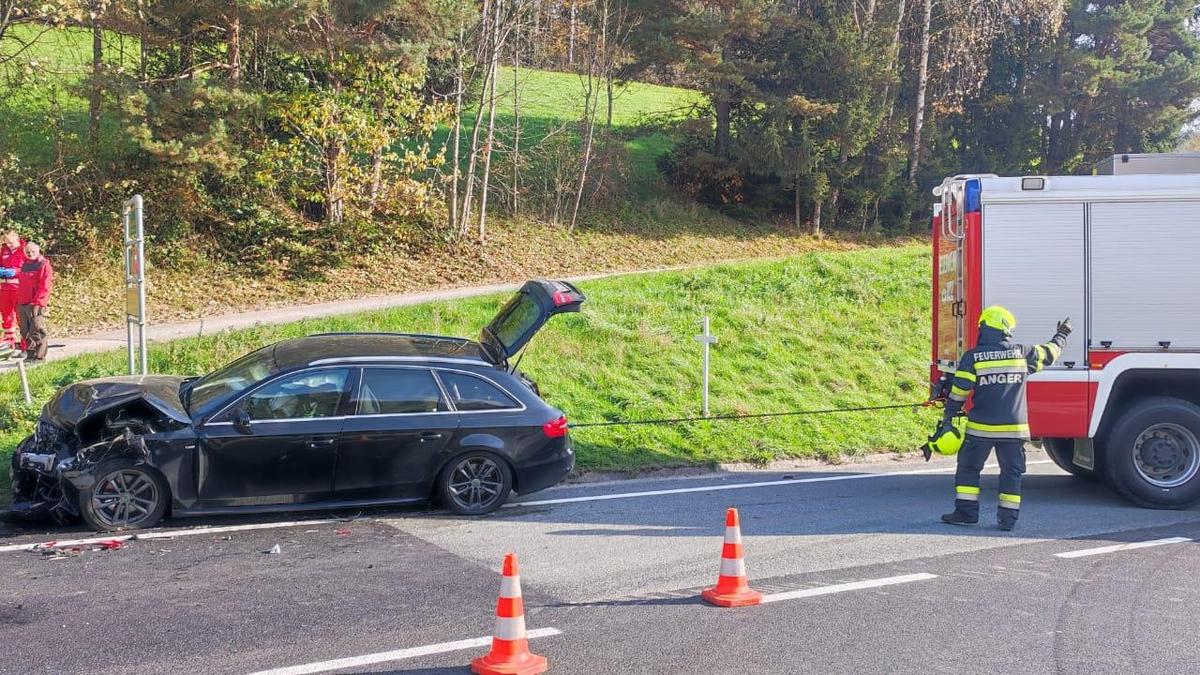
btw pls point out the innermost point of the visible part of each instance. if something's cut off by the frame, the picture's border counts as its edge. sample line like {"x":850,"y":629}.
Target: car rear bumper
{"x":532,"y":477}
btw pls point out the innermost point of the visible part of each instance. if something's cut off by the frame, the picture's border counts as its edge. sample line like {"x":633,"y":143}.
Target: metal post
{"x":24,"y":381}
{"x":707,"y":339}
{"x":135,"y":283}
{"x":126,"y":210}
{"x":141,"y":248}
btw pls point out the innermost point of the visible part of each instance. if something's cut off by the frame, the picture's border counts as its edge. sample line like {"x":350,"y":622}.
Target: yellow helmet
{"x":950,"y":440}
{"x":999,"y":318}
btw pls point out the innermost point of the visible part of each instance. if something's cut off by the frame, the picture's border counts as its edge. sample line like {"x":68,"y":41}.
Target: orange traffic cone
{"x":731,"y":589}
{"x":510,"y":653}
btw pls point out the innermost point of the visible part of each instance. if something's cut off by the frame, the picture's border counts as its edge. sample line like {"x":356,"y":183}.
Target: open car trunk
{"x":524,"y":315}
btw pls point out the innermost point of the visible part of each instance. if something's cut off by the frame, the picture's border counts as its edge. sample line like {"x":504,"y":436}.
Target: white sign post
{"x":135,"y":282}
{"x":707,"y":339}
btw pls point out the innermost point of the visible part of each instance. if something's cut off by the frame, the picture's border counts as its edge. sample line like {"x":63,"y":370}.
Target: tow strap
{"x":749,"y":416}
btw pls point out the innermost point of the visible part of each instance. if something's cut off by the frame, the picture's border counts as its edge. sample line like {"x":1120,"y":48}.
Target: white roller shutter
{"x":1034,"y":263}
{"x":1145,"y":274}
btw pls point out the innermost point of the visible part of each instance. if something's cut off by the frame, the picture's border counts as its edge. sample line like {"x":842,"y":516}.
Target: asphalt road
{"x":617,"y":576}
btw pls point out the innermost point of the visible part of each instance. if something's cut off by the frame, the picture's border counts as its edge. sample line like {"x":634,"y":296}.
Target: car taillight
{"x":556,"y":428}
{"x":561,"y":298}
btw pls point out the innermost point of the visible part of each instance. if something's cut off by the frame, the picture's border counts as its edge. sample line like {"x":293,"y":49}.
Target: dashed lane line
{"x":742,"y":486}
{"x":851,"y":586}
{"x":396,"y":655}
{"x":167,"y":534}
{"x":1101,"y":550}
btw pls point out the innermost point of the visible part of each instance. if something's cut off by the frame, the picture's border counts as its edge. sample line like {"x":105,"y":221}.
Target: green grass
{"x":821,"y":330}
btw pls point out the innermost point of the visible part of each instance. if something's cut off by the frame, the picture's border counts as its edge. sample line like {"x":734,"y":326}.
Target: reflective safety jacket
{"x":996,"y":370}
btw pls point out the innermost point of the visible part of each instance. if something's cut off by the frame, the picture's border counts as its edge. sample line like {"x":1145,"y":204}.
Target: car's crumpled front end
{"x":80,"y":427}
{"x":37,"y":466}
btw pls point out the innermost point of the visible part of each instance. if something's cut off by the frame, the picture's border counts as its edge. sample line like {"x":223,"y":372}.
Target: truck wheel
{"x":1153,"y":454}
{"x":1061,"y":450}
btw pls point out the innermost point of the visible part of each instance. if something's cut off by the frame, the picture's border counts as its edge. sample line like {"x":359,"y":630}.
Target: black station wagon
{"x":325,"y":421}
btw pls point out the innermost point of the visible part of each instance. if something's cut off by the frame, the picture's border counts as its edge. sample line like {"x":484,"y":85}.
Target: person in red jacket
{"x":33,"y":295}
{"x":12,"y":256}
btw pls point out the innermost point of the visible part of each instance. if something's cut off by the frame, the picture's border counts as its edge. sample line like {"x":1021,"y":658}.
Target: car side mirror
{"x":241,"y":421}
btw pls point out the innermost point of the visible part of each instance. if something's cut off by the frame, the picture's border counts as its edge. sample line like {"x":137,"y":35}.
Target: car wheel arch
{"x":463,"y":452}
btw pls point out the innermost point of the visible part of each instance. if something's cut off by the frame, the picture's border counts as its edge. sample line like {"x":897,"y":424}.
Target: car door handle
{"x":322,"y":443}
{"x":431,"y":436}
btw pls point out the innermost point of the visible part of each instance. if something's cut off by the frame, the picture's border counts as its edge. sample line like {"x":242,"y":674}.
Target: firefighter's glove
{"x":1064,"y":327}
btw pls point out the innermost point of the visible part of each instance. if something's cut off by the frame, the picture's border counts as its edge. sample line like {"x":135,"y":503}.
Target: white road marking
{"x":1100,"y":550}
{"x":167,"y":534}
{"x":742,"y":486}
{"x":397,"y":655}
{"x":851,"y":586}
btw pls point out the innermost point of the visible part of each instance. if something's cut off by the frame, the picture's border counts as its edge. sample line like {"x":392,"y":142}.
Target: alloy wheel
{"x":125,"y":498}
{"x":476,"y":483}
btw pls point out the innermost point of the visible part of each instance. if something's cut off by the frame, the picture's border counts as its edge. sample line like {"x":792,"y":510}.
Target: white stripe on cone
{"x":510,"y":628}
{"x":733,"y":568}
{"x":510,"y":587}
{"x":733,"y":535}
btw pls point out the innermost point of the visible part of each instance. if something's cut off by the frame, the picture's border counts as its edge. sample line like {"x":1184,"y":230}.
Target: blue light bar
{"x":971,"y":198}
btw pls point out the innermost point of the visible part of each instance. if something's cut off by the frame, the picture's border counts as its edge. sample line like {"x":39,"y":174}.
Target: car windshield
{"x":233,"y":378}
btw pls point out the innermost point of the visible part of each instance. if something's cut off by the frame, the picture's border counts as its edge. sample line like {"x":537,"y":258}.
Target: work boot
{"x":1006,"y":519}
{"x":959,"y":518}
{"x":966,"y":512}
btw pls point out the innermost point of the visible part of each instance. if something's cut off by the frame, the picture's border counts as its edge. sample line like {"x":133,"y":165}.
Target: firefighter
{"x":12,"y":256}
{"x":995,"y":370}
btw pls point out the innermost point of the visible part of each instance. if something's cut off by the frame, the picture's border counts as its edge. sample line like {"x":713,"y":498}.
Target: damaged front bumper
{"x":49,"y":469}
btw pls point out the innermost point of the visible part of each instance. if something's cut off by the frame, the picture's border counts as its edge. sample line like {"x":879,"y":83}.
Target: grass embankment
{"x":820,"y":330}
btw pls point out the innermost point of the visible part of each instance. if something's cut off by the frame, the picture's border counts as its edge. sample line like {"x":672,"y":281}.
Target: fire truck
{"x":1119,"y":253}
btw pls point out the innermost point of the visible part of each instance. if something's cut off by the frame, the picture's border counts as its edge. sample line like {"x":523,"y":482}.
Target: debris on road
{"x":274,"y":550}
{"x":112,"y":545}
{"x":343,"y":532}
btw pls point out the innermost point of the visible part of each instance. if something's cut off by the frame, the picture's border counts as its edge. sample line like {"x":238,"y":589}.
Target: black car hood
{"x":84,"y":399}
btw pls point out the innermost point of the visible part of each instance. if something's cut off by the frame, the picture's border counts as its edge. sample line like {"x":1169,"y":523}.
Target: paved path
{"x":864,"y":577}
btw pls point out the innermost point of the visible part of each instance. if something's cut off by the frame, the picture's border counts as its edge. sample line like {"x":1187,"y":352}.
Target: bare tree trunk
{"x":723,"y":111}
{"x":456,"y":131}
{"x":571,"y":39}
{"x":816,"y":218}
{"x":469,"y":190}
{"x":516,"y":149}
{"x":95,"y":91}
{"x":376,"y":167}
{"x":918,"y":119}
{"x":796,"y":200}
{"x":491,"y":132}
{"x":591,"y":106}
{"x":233,"y":57}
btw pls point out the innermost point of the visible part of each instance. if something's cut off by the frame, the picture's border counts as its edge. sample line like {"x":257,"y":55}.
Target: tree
{"x":715,"y":43}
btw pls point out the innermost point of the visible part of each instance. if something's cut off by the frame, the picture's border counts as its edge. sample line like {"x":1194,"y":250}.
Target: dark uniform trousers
{"x":1010,"y":454}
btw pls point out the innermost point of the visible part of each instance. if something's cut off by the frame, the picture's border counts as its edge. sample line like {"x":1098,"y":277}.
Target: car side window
{"x":308,"y":395}
{"x":394,"y":391}
{"x":471,"y":393}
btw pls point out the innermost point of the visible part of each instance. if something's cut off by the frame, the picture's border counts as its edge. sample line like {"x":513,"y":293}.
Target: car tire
{"x":1061,"y":450}
{"x":1152,"y":456}
{"x":474,"y":484}
{"x":125,"y":496}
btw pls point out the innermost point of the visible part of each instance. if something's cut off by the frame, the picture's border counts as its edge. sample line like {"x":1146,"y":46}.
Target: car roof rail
{"x":426,"y":336}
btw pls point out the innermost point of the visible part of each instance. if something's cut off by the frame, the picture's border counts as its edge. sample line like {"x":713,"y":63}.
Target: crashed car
{"x":325,"y":421}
